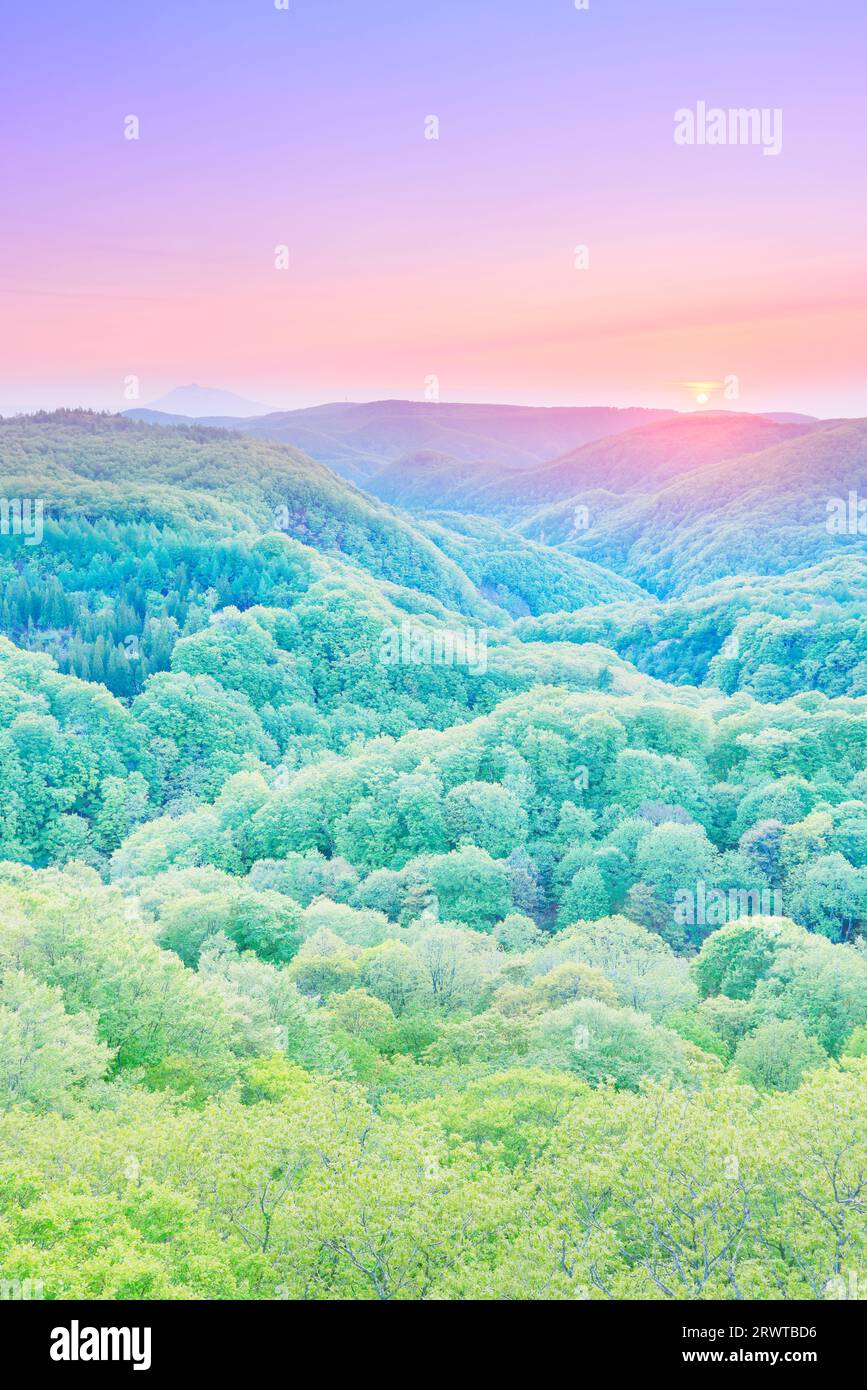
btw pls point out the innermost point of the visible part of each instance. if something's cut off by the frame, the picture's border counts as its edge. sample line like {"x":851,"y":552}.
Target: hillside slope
{"x":762,"y":513}
{"x":519,"y":575}
{"x":357,"y":440}
{"x":639,"y":460}
{"x":90,"y":467}
{"x":773,"y":635}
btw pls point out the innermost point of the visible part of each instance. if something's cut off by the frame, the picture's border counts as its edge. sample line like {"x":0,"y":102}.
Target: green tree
{"x":776,"y":1056}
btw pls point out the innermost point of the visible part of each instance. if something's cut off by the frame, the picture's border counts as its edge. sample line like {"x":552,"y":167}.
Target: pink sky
{"x":409,"y":257}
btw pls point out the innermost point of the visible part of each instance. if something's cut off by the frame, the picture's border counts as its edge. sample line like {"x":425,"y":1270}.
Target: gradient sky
{"x":409,"y":257}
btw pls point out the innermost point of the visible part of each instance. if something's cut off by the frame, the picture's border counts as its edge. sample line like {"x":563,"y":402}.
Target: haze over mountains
{"x":647,"y":511}
{"x":656,"y":511}
{"x":203,"y":402}
{"x":764,"y":511}
{"x":433,"y":832}
{"x":639,"y":459}
{"x":420,"y":454}
{"x":358,"y":440}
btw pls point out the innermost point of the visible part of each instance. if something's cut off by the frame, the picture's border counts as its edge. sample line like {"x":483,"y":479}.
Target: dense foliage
{"x":357,"y":941}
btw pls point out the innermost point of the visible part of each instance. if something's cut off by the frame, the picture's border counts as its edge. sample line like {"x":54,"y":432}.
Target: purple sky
{"x":412,"y":258}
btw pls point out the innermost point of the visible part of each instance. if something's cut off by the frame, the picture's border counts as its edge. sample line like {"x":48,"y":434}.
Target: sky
{"x":131,"y":266}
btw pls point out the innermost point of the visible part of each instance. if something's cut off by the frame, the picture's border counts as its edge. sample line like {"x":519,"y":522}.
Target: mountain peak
{"x":207,"y":402}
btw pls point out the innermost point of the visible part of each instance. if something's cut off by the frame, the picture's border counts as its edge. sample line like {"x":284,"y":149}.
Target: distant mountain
{"x":790,"y":417}
{"x":637,"y":460}
{"x":200,"y":402}
{"x":358,"y":441}
{"x":143,"y":416}
{"x":749,"y":513}
{"x":429,"y":481}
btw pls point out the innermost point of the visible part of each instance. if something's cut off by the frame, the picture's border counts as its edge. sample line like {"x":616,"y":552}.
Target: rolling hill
{"x":426,"y":481}
{"x":359,"y":440}
{"x":762,"y":513}
{"x":519,"y":575}
{"x":112,"y":470}
{"x":305,"y":871}
{"x":773,"y":635}
{"x":638,"y":461}
{"x":108,"y":472}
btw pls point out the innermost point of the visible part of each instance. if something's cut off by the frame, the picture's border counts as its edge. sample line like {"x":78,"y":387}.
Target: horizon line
{"x":684,"y":412}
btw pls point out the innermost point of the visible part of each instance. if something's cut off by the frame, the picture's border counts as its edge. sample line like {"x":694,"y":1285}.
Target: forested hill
{"x":358,"y":439}
{"x":107,"y":468}
{"x":416,"y":906}
{"x":773,"y":635}
{"x":638,"y":461}
{"x":150,"y":528}
{"x":766,"y":512}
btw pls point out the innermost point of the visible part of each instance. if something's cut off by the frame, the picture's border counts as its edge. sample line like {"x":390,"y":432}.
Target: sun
{"x":702,"y":392}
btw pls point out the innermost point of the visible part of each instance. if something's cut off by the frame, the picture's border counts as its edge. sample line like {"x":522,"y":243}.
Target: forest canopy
{"x":430,"y":904}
